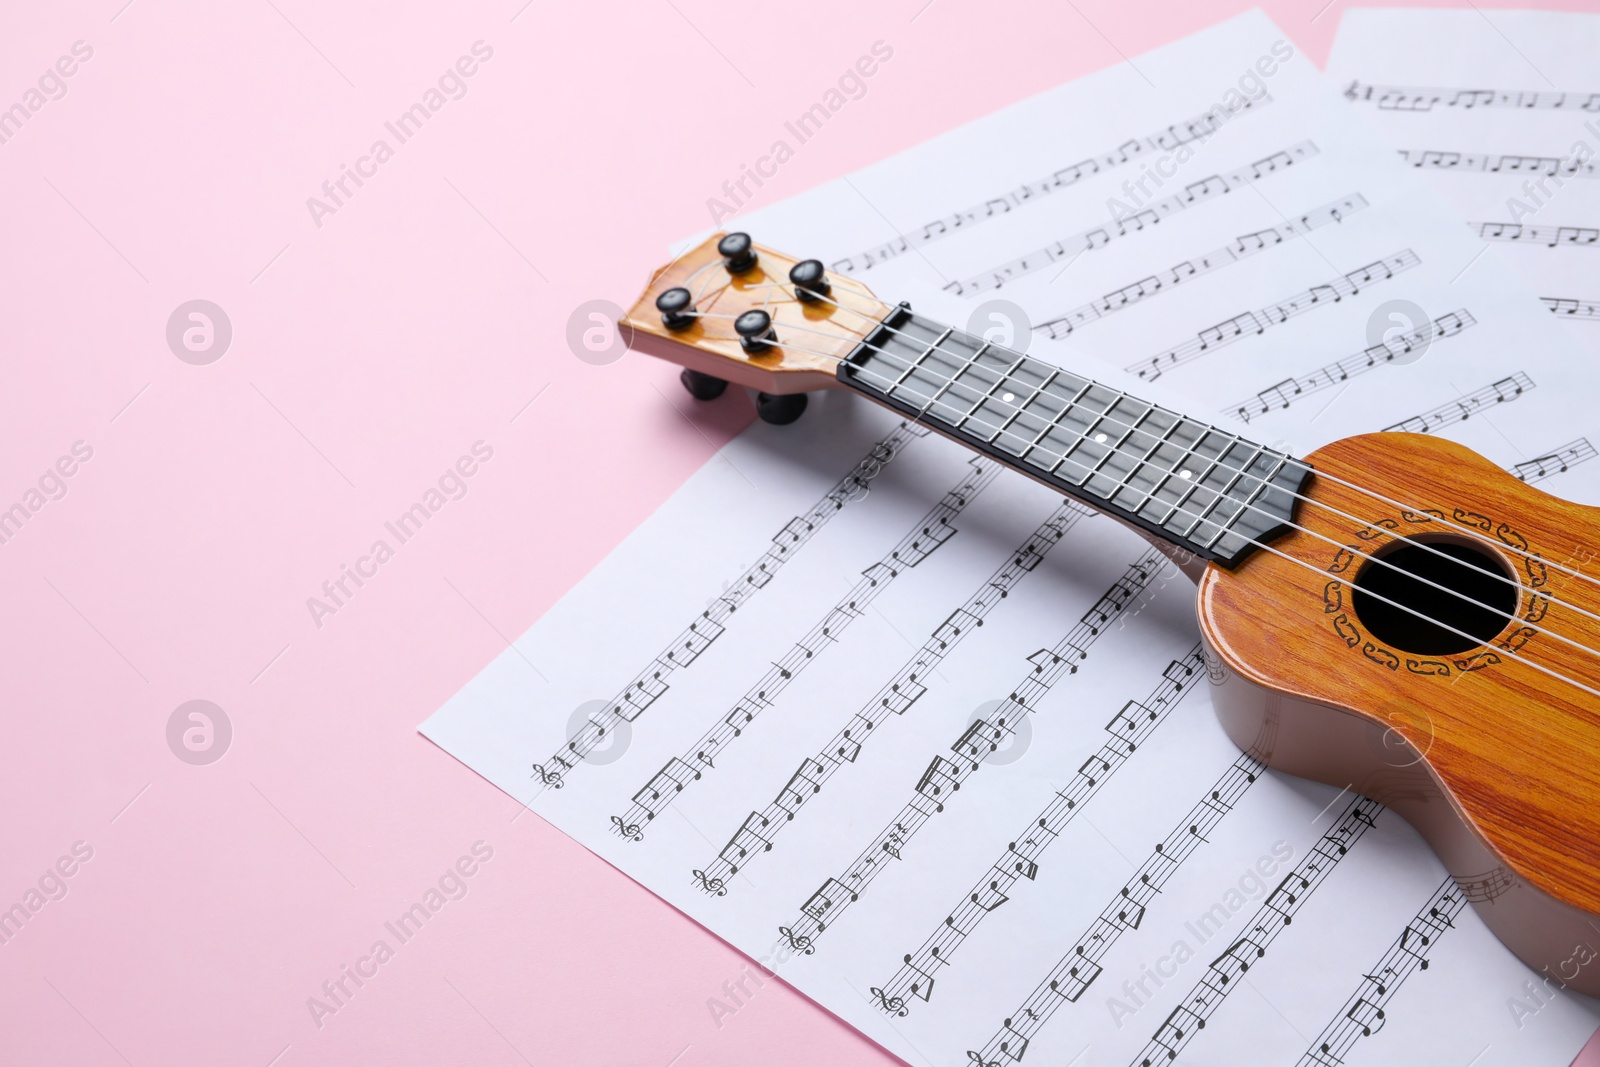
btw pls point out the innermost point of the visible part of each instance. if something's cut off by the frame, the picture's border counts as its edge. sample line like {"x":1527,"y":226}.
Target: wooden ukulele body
{"x":1496,"y":763}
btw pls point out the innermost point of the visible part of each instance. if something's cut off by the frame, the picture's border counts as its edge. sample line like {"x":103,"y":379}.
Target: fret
{"x":1252,"y":523}
{"x":968,"y":369}
{"x":1005,"y":427}
{"x":1193,"y":480}
{"x":1027,"y":452}
{"x":1008,"y":379}
{"x":988,"y":394}
{"x":1201,"y":488}
{"x":1137,"y":468}
{"x":1202,"y":515}
{"x":1084,"y":438}
{"x":916,"y":363}
{"x":1196,"y":482}
{"x":1112,"y":449}
{"x":1227,"y":503}
{"x":1162,"y":476}
{"x":1054,"y":421}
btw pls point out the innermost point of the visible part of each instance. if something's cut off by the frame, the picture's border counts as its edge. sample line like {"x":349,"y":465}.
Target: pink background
{"x":368,"y":354}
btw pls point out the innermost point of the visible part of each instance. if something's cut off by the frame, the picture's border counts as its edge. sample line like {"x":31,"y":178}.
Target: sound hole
{"x":1471,"y":572}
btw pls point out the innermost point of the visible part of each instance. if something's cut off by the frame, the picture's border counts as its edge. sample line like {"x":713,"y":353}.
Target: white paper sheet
{"x":1501,"y":111}
{"x":812,"y":796}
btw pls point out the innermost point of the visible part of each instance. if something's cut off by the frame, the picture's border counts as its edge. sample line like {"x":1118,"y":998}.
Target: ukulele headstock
{"x":702,"y":309}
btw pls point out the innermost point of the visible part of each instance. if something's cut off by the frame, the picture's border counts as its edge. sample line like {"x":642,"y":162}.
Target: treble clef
{"x":893,"y":1005}
{"x":548,"y":777}
{"x":714,"y":886}
{"x":629,"y":830}
{"x":979,"y":1061}
{"x":799,"y":942}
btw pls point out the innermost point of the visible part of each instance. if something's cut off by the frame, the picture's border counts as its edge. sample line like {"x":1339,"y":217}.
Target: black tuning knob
{"x":780,"y":410}
{"x":755,"y":331}
{"x":810,"y":280}
{"x":737,"y":253}
{"x":702,"y":386}
{"x":676,"y":307}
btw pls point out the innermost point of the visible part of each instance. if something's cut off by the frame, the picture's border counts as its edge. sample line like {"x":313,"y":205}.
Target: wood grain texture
{"x":819,"y":333}
{"x":1515,"y":752}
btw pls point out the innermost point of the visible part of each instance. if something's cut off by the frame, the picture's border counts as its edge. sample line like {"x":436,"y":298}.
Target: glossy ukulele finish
{"x":1496,"y":763}
{"x":1486,"y":739}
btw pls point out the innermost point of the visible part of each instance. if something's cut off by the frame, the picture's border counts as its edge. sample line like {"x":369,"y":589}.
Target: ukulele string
{"x":1476,"y":642}
{"x":1509,"y":616}
{"x":1395,"y":604}
{"x":701,"y":269}
{"x":714,"y":293}
{"x":1467,"y":531}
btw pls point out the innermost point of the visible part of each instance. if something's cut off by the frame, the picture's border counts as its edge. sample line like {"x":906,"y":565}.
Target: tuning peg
{"x":780,"y":410}
{"x":676,"y":307}
{"x":755,"y":331}
{"x":702,"y":386}
{"x":810,"y":280}
{"x":737,"y":253}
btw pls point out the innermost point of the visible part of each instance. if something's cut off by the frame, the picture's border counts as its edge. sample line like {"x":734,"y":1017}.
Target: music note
{"x":802,"y":785}
{"x":1193,"y":194}
{"x":1194,"y":129}
{"x":1015,"y":1043}
{"x":940,"y":780}
{"x":926,"y":534}
{"x":1558,"y":461}
{"x":1365,"y":1012}
{"x":1499,"y":392}
{"x":1254,"y":323}
{"x":989,"y":898}
{"x":1576,"y":308}
{"x":1548,"y":166}
{"x":1366,"y":1015}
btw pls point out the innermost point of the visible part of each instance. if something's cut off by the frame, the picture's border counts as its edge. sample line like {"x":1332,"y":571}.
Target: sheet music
{"x":939,"y":752}
{"x":1501,"y":111}
{"x":1363,"y":1014}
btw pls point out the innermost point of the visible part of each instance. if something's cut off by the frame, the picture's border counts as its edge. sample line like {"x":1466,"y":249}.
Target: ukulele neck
{"x":1202,"y":489}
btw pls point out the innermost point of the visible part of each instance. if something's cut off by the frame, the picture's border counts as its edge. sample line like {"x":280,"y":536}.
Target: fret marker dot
{"x":1099,"y":438}
{"x":1009,"y":397}
{"x":1185,"y":474}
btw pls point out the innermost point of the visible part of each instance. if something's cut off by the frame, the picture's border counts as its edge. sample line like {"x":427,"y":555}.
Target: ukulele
{"x":1392,"y":614}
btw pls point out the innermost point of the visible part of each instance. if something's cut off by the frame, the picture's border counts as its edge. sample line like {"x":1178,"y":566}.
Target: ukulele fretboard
{"x":1204,"y":489}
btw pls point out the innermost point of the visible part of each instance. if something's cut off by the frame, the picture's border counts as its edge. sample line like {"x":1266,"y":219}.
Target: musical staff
{"x":945,"y":776}
{"x":1070,"y":978}
{"x":1252,"y":323}
{"x":1559,"y":461}
{"x":1273,"y":917}
{"x":1129,"y":729}
{"x":1150,"y":215}
{"x":1551,"y":166}
{"x":1364,"y":1013}
{"x":1549,"y":236}
{"x":1283,"y":394}
{"x":908,"y":685}
{"x":1502,"y":391}
{"x":1577,"y":309}
{"x":1398,"y":98}
{"x":1488,"y":886}
{"x":1194,"y":130}
{"x":921,"y":541}
{"x":1243,"y":247}
{"x":649,"y":684}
